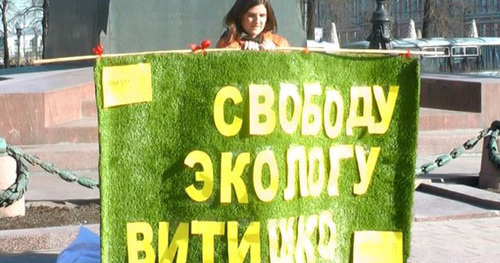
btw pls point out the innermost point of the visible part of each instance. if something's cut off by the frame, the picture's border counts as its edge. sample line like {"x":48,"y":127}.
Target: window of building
{"x":415,"y":5}
{"x":396,"y":7}
{"x":353,"y":8}
{"x":482,"y":5}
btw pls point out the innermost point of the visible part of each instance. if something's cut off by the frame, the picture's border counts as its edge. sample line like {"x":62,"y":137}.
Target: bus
{"x":460,"y":55}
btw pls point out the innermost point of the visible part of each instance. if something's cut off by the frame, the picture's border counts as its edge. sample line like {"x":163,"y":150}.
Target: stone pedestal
{"x":489,"y":176}
{"x":7,"y":178}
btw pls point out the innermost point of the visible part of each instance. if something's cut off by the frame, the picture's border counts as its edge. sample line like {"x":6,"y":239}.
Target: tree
{"x":311,"y":18}
{"x":310,"y":12}
{"x":3,"y":8}
{"x":45,"y":24}
{"x":352,"y":16}
{"x":444,"y":18}
{"x":428,"y":14}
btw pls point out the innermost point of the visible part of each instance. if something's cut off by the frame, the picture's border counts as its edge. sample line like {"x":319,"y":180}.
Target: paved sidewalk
{"x":456,"y":241}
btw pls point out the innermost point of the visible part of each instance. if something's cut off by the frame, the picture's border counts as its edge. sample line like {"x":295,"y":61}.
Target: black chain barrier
{"x":492,"y":146}
{"x":18,"y":188}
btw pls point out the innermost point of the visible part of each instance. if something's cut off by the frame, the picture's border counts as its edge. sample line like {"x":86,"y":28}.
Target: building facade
{"x":29,"y":45}
{"x":452,"y":18}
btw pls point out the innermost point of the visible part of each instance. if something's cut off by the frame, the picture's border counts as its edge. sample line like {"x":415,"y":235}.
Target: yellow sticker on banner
{"x":129,"y":84}
{"x":378,"y":247}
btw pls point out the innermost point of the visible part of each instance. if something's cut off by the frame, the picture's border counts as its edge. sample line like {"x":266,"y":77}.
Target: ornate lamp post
{"x":19,"y":31}
{"x":380,"y":37}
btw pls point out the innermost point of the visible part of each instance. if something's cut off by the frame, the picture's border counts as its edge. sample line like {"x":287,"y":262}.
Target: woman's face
{"x":254,"y":20}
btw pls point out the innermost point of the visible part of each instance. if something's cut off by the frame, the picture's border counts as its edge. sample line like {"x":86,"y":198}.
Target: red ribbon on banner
{"x":408,"y":54}
{"x":98,"y":50}
{"x":206,"y":43}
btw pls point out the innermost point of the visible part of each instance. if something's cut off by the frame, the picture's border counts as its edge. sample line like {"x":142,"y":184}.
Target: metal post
{"x":8,"y":175}
{"x":380,"y":37}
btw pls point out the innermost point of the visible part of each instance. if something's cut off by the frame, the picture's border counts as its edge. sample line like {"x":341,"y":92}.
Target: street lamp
{"x":380,"y":37}
{"x":19,"y":31}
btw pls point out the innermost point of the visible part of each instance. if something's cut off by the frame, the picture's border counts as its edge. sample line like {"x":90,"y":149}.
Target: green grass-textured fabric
{"x":143,"y":147}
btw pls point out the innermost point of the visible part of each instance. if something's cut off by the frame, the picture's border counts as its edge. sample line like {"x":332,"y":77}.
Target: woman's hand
{"x":268,"y":45}
{"x":251,"y":45}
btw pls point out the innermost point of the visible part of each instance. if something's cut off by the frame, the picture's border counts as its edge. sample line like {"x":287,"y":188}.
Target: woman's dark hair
{"x":232,"y":20}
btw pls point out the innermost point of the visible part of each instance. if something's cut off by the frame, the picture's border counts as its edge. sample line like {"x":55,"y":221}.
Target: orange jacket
{"x":277,"y":40}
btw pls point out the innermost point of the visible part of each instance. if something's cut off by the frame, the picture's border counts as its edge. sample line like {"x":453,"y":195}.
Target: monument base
{"x":489,"y":176}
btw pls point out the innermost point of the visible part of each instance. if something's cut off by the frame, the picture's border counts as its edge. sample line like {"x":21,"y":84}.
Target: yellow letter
{"x":207,"y":230}
{"x":365,"y":168}
{"x":224,"y":94}
{"x":316,"y":156}
{"x":233,"y":177}
{"x":337,"y":153}
{"x":263,"y":158}
{"x":287,"y":239}
{"x":264,"y":109}
{"x":206,"y":176}
{"x":306,"y":229}
{"x":179,"y":243}
{"x":333,"y":96}
{"x":326,"y":246}
{"x":311,"y":110}
{"x":296,"y":155}
{"x":135,"y":244}
{"x":286,"y":229}
{"x":366,"y":120}
{"x":385,"y":107}
{"x":250,"y":240}
{"x":273,"y":241}
{"x":289,"y":91}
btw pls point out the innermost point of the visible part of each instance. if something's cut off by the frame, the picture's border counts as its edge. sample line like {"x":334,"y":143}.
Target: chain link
{"x":17,"y":190}
{"x":469,"y":144}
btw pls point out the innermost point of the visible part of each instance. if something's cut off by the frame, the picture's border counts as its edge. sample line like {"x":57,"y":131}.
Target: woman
{"x":251,"y":25}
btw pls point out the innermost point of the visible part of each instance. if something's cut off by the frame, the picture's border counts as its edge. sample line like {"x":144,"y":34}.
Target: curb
{"x":491,"y":214}
{"x":466,"y":194}
{"x":35,"y":239}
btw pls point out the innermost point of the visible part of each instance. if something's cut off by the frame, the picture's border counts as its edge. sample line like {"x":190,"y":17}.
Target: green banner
{"x":256,"y":157}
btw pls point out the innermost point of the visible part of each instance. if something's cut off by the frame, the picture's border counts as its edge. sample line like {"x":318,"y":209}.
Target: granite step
{"x":438,"y":142}
{"x":89,"y":108}
{"x":74,"y":145}
{"x":76,"y":131}
{"x":436,"y":119}
{"x":65,"y":156}
{"x":44,"y":187}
